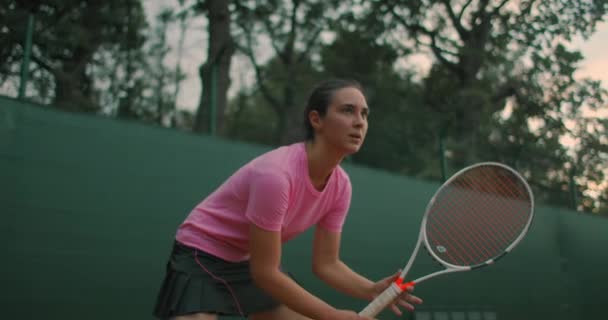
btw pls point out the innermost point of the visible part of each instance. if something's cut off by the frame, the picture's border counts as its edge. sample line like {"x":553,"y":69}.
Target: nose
{"x":359,"y":120}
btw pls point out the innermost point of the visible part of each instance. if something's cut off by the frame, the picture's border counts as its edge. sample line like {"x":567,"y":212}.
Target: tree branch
{"x":508,"y":89}
{"x":455,"y":20}
{"x":438,"y":54}
{"x":309,"y":44}
{"x":502,"y":4}
{"x":248,"y":51}
{"x":414,"y":28}
{"x":464,"y":7}
{"x":273,"y":37}
{"x":480,"y":13}
{"x":437,"y":51}
{"x":526,"y":11}
{"x":291,"y":39}
{"x":43,"y":64}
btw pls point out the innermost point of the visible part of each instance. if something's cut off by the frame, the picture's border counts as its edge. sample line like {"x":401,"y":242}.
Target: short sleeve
{"x":334,"y":219}
{"x":268,"y":200}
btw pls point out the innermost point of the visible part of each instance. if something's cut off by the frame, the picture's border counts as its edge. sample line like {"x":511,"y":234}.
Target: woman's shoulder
{"x":279,"y":158}
{"x":281,"y":161}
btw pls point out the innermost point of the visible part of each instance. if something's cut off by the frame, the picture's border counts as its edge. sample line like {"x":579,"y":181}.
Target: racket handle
{"x":381,"y":301}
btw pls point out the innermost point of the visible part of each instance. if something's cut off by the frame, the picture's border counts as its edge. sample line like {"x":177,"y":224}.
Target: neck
{"x":322,"y":160}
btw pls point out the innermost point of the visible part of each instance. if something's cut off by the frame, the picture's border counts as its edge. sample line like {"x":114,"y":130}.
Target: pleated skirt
{"x":197,"y":282}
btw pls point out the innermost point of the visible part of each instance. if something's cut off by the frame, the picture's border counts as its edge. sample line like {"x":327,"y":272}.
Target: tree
{"x":130,"y":88}
{"x":67,"y":36}
{"x":183,"y":18}
{"x":293,"y":29}
{"x":161,"y":102}
{"x":219,"y":57}
{"x":506,"y":59}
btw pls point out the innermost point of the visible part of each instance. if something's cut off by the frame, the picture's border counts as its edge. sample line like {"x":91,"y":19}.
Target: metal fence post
{"x":27,"y":51}
{"x":573,"y":193}
{"x":442,"y":161}
{"x":213,"y":100}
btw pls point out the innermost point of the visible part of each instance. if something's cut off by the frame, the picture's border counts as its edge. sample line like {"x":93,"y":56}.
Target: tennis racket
{"x":477,"y":216}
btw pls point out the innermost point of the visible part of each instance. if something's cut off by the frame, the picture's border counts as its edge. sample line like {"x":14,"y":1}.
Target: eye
{"x":365,"y":114}
{"x":348,"y":109}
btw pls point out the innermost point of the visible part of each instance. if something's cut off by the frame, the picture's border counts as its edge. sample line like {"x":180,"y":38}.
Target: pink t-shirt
{"x":274,"y":192}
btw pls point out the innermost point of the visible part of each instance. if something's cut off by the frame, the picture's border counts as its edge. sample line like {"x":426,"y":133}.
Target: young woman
{"x":227,"y":254}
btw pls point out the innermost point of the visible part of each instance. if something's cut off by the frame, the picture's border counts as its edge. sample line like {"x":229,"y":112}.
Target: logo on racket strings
{"x":441,"y":249}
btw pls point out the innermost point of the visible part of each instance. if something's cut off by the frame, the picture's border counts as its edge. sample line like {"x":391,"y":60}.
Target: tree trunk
{"x":220,"y":51}
{"x":73,"y":87}
{"x":291,"y":120}
{"x":125,"y":104}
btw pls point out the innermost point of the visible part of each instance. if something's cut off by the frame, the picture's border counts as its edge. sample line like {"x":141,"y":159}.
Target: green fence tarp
{"x":79,"y":195}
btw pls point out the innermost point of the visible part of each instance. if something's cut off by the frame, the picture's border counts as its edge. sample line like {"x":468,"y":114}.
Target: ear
{"x":315,"y":119}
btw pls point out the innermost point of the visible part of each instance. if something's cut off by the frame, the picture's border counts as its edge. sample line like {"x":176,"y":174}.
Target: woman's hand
{"x":347,"y":315}
{"x":405,"y":299}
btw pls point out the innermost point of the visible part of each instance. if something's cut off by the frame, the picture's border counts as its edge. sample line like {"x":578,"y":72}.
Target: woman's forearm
{"x":288,"y":292}
{"x":342,"y":278}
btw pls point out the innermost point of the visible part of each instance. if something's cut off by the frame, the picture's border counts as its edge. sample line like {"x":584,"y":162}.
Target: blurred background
{"x":116,"y":111}
{"x":449,"y":82}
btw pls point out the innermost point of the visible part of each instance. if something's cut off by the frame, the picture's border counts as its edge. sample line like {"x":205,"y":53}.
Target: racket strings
{"x":463,"y":235}
{"x":459,"y":239}
{"x":509,"y":224}
{"x":465,"y":242}
{"x":496,"y":232}
{"x":478,"y":215}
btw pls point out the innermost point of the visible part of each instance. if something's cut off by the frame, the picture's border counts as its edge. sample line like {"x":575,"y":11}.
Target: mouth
{"x":356,"y":136}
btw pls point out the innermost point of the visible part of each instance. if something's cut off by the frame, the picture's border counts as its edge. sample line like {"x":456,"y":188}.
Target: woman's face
{"x":344,"y":125}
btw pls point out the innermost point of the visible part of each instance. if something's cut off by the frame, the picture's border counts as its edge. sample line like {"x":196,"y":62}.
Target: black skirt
{"x":197,"y":282}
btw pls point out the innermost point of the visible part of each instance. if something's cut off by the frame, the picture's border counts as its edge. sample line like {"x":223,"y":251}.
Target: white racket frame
{"x":394,"y":290}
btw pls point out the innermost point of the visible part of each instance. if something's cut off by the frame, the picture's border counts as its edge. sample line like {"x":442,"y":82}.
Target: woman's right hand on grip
{"x":347,"y":315}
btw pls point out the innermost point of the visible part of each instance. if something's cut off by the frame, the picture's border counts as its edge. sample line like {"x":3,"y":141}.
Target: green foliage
{"x":501,"y":88}
{"x":68,"y":38}
{"x":293,"y":29}
{"x":251,"y":118}
{"x":152,"y":95}
{"x":93,"y":57}
{"x":501,"y":84}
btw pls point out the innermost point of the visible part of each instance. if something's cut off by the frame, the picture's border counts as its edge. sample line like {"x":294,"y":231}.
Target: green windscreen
{"x":89,"y":208}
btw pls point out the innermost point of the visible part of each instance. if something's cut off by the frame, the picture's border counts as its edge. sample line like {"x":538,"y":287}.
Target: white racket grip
{"x":381,"y":301}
